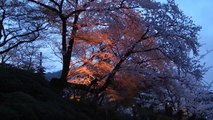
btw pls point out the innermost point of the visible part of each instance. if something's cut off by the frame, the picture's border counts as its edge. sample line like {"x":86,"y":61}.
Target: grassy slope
{"x":26,"y":96}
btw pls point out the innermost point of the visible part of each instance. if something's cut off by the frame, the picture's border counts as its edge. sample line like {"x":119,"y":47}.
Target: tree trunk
{"x":66,"y":55}
{"x":67,"y":50}
{"x":65,"y":67}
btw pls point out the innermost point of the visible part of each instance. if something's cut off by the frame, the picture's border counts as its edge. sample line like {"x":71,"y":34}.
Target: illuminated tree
{"x":102,"y":41}
{"x":72,"y":16}
{"x":141,"y":41}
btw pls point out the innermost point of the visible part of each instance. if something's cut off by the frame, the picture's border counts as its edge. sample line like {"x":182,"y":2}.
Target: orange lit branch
{"x":109,"y":78}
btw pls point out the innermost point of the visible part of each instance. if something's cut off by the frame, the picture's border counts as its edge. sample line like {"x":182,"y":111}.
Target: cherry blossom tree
{"x":72,"y":16}
{"x":144,"y":41}
{"x":152,"y":46}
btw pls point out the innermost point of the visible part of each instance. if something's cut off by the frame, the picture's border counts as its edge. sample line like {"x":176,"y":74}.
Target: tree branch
{"x":109,"y":78}
{"x":45,"y":6}
{"x":2,"y":29}
{"x":18,"y":43}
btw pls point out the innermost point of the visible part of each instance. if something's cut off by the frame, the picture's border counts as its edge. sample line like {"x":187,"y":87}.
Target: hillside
{"x":51,"y":75}
{"x":27,"y":96}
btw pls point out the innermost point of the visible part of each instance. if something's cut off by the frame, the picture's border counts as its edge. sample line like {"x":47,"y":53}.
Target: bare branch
{"x":19,"y":43}
{"x":45,"y":6}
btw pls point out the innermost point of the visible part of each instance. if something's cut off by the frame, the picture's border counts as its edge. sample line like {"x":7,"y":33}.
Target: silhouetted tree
{"x":19,"y":23}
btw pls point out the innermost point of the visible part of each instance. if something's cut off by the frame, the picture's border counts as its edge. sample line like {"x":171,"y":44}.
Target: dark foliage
{"x":27,"y":96}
